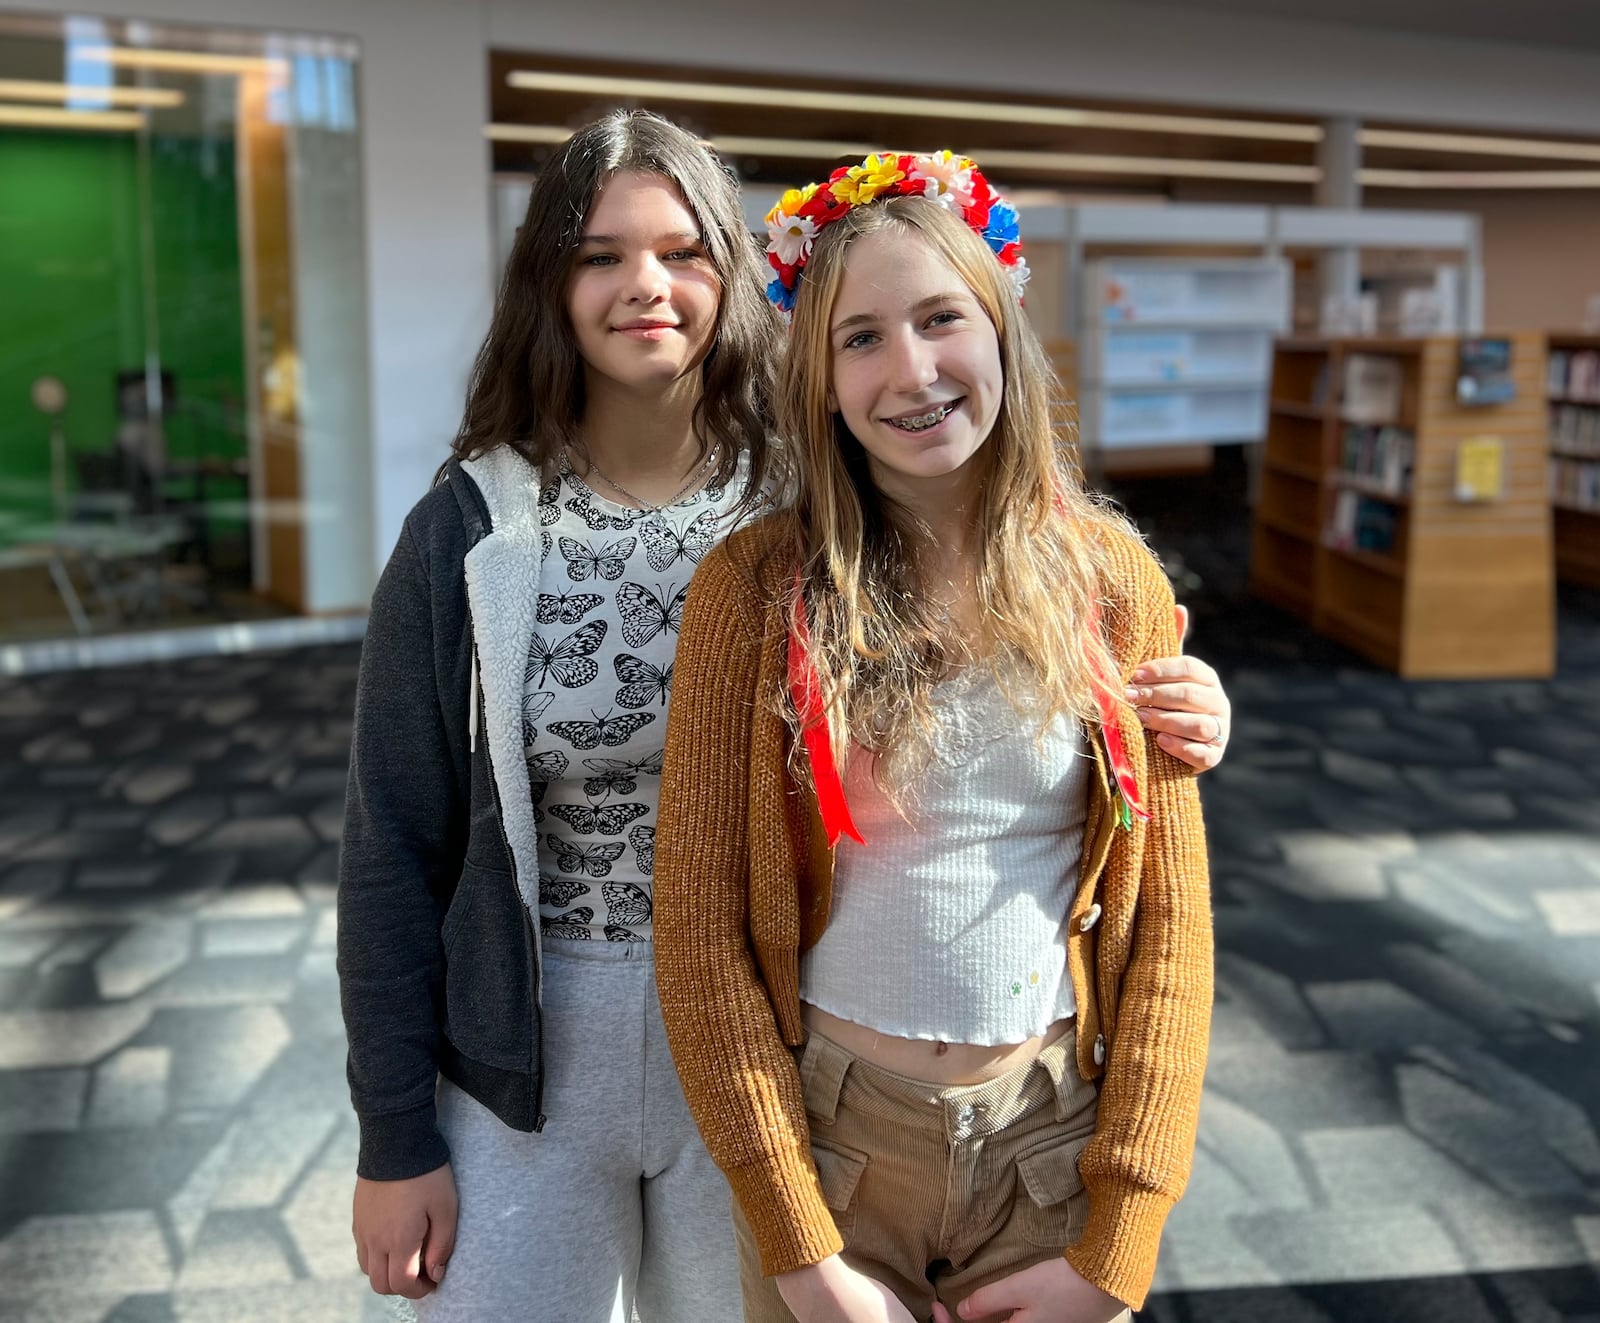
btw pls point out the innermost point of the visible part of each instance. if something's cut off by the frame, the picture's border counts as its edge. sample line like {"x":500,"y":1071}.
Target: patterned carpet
{"x":1404,"y":1081}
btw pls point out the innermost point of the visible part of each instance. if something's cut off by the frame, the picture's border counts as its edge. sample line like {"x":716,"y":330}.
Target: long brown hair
{"x":877,"y":643}
{"x":527,"y":387}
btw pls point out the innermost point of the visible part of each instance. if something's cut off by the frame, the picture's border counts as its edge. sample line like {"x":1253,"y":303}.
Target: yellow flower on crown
{"x":792,"y":200}
{"x":864,"y":182}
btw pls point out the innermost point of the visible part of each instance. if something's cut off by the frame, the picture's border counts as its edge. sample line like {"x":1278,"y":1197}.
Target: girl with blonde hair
{"x":931,"y":910}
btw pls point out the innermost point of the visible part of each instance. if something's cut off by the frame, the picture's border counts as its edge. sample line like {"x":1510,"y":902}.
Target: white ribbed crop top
{"x":949,"y":923}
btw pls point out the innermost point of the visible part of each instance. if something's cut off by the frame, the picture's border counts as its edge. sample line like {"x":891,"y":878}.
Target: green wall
{"x":72,"y":297}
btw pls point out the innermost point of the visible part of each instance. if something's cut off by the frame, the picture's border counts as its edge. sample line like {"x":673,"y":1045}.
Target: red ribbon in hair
{"x":806,"y":690}
{"x":1105,"y":698}
{"x":1111,"y":730}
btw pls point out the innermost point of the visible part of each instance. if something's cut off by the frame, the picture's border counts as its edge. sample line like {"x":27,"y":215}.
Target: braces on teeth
{"x":923,"y":421}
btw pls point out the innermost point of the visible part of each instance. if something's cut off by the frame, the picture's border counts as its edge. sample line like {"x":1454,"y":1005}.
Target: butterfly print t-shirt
{"x":595,"y":693}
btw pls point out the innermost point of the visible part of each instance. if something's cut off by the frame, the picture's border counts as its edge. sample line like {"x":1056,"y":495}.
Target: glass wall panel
{"x":184,"y":401}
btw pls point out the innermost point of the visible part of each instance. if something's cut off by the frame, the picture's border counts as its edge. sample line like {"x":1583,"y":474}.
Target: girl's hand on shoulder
{"x":1182,"y":700}
{"x":834,"y":1292}
{"x":1049,"y":1292}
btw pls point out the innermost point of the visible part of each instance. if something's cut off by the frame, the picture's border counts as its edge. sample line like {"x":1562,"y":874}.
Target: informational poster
{"x":1480,"y":469}
{"x":1484,"y":376}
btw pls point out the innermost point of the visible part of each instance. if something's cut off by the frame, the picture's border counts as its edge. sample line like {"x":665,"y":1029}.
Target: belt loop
{"x":822,"y":1072}
{"x":1056,"y":1064}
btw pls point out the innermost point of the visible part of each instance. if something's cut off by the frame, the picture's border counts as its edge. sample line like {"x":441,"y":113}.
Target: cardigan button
{"x":1091,"y":916}
{"x":1099,"y":1049}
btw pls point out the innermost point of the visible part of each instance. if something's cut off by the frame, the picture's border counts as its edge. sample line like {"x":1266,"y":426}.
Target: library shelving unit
{"x":1574,"y":393}
{"x":1359,"y":528}
{"x":1177,"y":351}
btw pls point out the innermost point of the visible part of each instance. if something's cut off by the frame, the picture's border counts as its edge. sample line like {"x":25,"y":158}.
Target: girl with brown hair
{"x":932,"y":919}
{"x":520,"y":1117}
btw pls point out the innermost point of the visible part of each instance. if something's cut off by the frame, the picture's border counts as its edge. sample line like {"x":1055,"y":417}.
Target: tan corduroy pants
{"x":939,"y":1190}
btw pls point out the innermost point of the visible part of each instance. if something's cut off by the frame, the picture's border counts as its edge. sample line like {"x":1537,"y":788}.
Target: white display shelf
{"x":1179,"y":351}
{"x":1141,"y":355}
{"x":1196,"y":292}
{"x":1184,"y":415}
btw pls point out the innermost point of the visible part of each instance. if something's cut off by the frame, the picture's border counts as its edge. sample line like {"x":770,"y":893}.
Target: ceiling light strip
{"x":789,"y":98}
{"x":816,"y":149}
{"x":1050,"y":116}
{"x":41,"y":117}
{"x":1476,"y":179}
{"x":1180,"y":167}
{"x":127,"y":57}
{"x":16,"y":89}
{"x":1474,"y":143}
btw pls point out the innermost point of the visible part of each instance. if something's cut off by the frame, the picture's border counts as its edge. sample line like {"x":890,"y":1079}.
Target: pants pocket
{"x":1052,"y":1206}
{"x":839,"y":1172}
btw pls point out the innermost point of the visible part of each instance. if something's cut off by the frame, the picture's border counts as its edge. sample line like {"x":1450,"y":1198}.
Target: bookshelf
{"x":1176,"y":351}
{"x":1358,"y":528}
{"x":1572,"y":388}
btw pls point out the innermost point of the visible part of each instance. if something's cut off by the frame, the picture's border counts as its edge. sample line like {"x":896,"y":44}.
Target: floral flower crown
{"x":942,"y":177}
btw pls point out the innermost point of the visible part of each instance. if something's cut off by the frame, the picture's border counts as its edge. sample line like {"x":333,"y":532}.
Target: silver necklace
{"x":644,"y":507}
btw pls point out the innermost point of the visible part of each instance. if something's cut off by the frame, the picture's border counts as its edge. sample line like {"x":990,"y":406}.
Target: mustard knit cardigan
{"x":743,"y":880}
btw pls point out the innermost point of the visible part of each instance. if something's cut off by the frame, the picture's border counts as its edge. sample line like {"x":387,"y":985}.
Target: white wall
{"x":336,"y":399}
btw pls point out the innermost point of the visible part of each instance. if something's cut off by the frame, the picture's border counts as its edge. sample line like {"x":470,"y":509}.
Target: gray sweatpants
{"x":617,"y":1199}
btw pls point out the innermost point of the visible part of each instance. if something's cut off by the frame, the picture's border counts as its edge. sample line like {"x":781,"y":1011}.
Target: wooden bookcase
{"x":1464,"y":590}
{"x":1576,"y":520}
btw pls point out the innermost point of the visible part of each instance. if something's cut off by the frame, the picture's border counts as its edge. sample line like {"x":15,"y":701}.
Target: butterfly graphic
{"x":568,"y":608}
{"x":568,"y":660}
{"x":544,"y":546}
{"x":558,"y":891}
{"x":626,"y":903}
{"x":537,"y":790}
{"x":642,"y":683}
{"x":572,"y":924}
{"x":615,"y":932}
{"x":608,"y":821}
{"x":549,"y":511}
{"x":665,"y":546}
{"x":533,"y":706}
{"x":599,"y":519}
{"x":643,"y":840}
{"x":607,"y":730}
{"x":584,"y":562}
{"x":593,"y":860}
{"x":547,"y":765}
{"x":615,"y":776}
{"x":646,"y":614}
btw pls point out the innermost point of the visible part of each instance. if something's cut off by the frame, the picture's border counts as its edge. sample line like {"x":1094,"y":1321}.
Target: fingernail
{"x":1140,"y":673}
{"x":438,"y":1273}
{"x":1132,"y":693}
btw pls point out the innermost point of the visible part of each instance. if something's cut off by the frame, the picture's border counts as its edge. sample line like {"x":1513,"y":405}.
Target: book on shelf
{"x":1380,"y":456}
{"x":1575,"y":484}
{"x":1319,"y":387}
{"x":1575,"y":428}
{"x":1574,"y":374}
{"x":1373,"y":387}
{"x":1362,"y":523}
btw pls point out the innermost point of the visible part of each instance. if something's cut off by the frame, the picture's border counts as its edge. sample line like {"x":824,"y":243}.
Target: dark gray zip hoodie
{"x":439,"y":958}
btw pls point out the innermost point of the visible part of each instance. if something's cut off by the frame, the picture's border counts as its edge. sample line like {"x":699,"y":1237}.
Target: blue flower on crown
{"x":782,"y":295}
{"x":1003,"y":227}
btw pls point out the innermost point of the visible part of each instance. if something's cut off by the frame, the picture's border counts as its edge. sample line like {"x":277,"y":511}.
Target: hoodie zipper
{"x":482,"y":722}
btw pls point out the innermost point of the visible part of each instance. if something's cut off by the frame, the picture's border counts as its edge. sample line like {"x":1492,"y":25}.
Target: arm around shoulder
{"x":1137,"y":1164}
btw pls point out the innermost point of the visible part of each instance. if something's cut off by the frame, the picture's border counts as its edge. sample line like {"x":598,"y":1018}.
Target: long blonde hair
{"x":877,"y":644}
